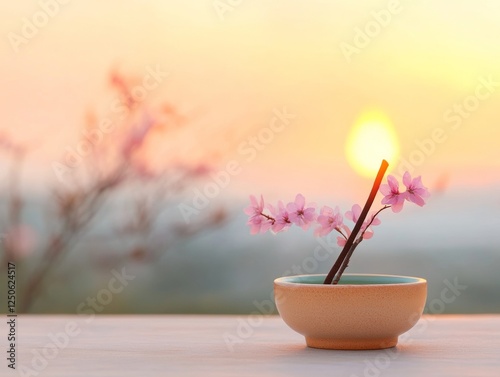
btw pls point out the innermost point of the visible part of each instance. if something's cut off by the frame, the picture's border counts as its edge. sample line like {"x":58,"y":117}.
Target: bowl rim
{"x":284,"y":281}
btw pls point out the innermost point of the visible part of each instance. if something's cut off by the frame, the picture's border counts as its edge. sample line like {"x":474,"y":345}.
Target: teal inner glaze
{"x":352,"y":279}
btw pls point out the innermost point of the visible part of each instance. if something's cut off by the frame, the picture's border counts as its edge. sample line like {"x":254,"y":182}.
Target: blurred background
{"x":134,"y":131}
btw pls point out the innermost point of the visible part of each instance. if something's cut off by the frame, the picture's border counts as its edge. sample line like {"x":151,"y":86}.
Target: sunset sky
{"x":429,"y":70}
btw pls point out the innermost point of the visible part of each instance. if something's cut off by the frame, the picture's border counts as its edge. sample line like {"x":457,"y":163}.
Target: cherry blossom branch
{"x":298,"y":213}
{"x":342,"y":233}
{"x":270,"y":218}
{"x":347,"y":259}
{"x":350,"y":241}
{"x":371,"y":221}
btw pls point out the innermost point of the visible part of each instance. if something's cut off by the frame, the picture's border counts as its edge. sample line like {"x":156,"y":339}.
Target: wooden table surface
{"x":60,"y":345}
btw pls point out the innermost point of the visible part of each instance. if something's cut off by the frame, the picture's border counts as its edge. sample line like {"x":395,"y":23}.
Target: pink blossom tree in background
{"x":116,"y":167}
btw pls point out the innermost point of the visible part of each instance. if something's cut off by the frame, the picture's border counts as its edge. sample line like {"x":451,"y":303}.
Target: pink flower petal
{"x":397,"y":206}
{"x":385,"y":189}
{"x":393,"y":183}
{"x":341,"y":241}
{"x":418,"y":200}
{"x":300,"y":201}
{"x":415,"y":190}
{"x":407,"y":179}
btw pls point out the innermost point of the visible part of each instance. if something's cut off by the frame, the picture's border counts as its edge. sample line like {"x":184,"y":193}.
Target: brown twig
{"x":357,"y":227}
{"x":346,"y":261}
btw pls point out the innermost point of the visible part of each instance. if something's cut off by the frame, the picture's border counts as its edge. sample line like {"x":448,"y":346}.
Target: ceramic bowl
{"x":361,"y":312}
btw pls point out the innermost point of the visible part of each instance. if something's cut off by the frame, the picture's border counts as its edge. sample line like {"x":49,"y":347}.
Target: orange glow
{"x":226,"y":76}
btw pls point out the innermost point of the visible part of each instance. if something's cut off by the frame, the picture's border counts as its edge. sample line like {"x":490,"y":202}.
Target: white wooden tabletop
{"x":169,"y":345}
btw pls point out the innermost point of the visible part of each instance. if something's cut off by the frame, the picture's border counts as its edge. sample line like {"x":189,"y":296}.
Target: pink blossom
{"x":257,"y":221}
{"x":282,"y":218}
{"x":354,"y":214}
{"x":341,"y":241}
{"x":299,"y":214}
{"x":255,"y":208}
{"x":391,"y":193}
{"x":137,"y":135}
{"x":368,"y":232}
{"x":328,"y":220}
{"x":259,"y":224}
{"x":415,"y":190}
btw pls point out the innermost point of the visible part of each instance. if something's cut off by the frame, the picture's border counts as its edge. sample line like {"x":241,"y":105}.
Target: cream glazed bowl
{"x":361,"y":312}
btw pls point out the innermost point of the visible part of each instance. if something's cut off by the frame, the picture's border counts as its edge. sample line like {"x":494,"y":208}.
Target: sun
{"x":371,"y":140}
